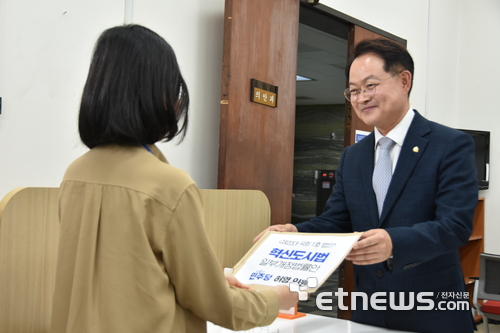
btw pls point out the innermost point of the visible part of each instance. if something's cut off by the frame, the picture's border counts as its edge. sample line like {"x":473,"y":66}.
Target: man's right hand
{"x":286,"y":298}
{"x":277,"y":227}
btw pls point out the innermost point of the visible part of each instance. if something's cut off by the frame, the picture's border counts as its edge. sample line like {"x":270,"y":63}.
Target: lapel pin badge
{"x":415,"y":149}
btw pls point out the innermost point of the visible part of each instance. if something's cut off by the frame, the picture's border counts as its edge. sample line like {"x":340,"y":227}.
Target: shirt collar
{"x":157,"y":152}
{"x":398,"y":133}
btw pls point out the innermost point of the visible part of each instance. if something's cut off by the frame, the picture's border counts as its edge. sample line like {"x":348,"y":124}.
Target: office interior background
{"x":45,"y":50}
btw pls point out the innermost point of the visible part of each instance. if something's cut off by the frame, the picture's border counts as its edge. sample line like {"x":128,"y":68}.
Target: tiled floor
{"x":331,"y":285}
{"x":493,"y":328}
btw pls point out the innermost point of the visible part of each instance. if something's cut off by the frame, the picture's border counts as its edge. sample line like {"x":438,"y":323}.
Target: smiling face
{"x":389,"y":104}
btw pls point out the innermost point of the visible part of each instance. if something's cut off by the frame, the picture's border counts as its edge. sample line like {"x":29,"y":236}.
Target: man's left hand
{"x":374,"y":246}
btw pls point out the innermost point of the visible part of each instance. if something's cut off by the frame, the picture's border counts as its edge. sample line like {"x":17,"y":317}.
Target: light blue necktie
{"x":382,"y":173}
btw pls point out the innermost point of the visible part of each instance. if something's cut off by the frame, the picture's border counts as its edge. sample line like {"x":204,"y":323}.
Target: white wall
{"x":406,"y":19}
{"x":45,"y":50}
{"x":443,"y":50}
{"x":477,"y":91}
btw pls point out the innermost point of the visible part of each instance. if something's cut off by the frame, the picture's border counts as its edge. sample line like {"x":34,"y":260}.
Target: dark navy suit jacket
{"x":428,"y":214}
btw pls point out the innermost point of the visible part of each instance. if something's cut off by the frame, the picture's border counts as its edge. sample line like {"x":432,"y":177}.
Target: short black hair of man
{"x":396,"y":57}
{"x":135,"y":93}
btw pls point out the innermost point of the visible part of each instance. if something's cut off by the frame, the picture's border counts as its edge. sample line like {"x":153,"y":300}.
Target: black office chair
{"x":487,"y":288}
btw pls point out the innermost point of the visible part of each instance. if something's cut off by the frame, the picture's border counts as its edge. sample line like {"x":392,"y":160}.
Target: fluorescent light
{"x":301,"y":78}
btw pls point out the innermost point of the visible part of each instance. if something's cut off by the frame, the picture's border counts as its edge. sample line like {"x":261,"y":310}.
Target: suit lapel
{"x":407,"y":161}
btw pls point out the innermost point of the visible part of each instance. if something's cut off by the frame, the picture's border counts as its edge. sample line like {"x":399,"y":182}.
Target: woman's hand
{"x":234,"y":282}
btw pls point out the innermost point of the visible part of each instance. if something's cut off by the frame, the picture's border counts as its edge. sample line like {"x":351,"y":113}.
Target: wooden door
{"x":256,"y":141}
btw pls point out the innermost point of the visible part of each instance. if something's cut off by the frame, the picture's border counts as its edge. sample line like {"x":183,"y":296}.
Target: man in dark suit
{"x":413,"y":228}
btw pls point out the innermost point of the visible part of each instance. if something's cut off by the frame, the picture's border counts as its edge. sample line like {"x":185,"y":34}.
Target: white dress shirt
{"x":397,"y":134}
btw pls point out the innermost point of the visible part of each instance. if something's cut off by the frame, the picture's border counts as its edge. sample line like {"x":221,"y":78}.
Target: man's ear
{"x":406,"y":80}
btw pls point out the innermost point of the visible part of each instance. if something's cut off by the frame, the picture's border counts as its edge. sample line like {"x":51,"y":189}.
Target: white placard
{"x":292,"y":257}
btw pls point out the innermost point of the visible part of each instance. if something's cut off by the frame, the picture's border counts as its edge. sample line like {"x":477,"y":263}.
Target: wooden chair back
{"x":232,"y":219}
